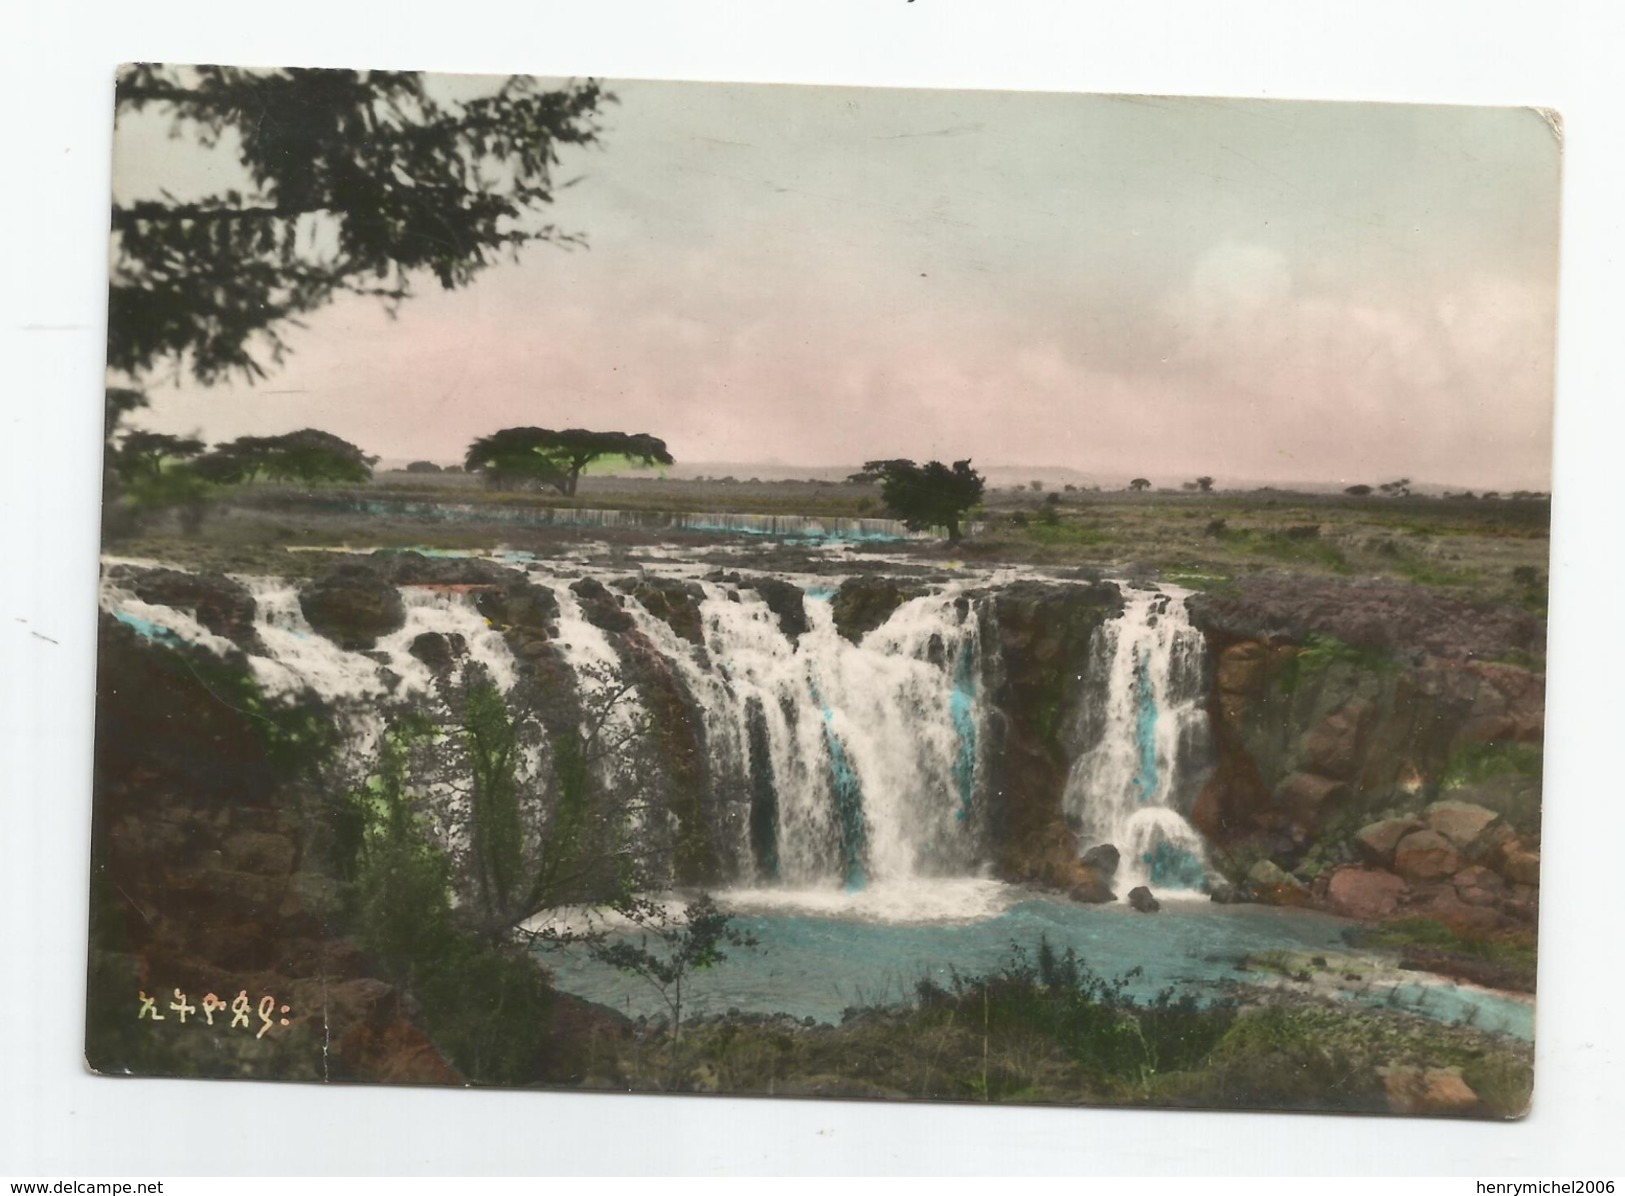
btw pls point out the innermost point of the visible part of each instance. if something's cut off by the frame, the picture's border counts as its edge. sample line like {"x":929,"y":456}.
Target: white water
{"x":869,"y":756}
{"x":837,"y":765}
{"x":1146,"y":740}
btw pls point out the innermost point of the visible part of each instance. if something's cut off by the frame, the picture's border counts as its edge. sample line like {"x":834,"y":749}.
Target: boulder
{"x":1414,"y":1091}
{"x":1267,"y":872}
{"x":1225,"y":893}
{"x":1479,"y":886}
{"x":601,"y":608}
{"x":1103,"y":859}
{"x":223,"y":606}
{"x":1426,"y":855}
{"x":1461,"y":822}
{"x":1141,"y":899}
{"x":786,"y":601}
{"x":352,"y":606}
{"x":1365,"y":894}
{"x":864,"y":603}
{"x":1521,"y":866}
{"x":1376,"y":840}
{"x":1092,"y":892}
{"x":437,"y":650}
{"x":1308,"y":797}
{"x":675,"y":603}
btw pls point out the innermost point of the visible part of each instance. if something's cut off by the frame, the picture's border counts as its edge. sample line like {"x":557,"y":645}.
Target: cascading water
{"x":836,"y":764}
{"x":860,"y":760}
{"x":1145,"y":736}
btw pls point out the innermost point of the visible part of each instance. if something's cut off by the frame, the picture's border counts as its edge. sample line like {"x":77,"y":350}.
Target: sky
{"x":1268,"y":291}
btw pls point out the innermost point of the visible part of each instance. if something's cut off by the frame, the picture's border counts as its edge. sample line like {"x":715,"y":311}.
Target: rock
{"x":1333,"y":748}
{"x":1364,"y":894}
{"x":223,"y":606}
{"x":1094,"y":891}
{"x":1103,"y":859}
{"x":1225,"y":893}
{"x":1308,"y":797}
{"x":1413,"y":1091}
{"x":1479,"y":886}
{"x":1521,"y":867}
{"x":1426,"y":855}
{"x":1376,"y":841}
{"x":1461,"y":822}
{"x":352,"y":606}
{"x":786,"y":601}
{"x":1241,"y":669}
{"x":260,"y":853}
{"x":601,"y":608}
{"x":1267,"y":872}
{"x":1141,"y":899}
{"x":1442,"y":904}
{"x":864,"y":603}
{"x":676,"y":603}
{"x":437,"y":650}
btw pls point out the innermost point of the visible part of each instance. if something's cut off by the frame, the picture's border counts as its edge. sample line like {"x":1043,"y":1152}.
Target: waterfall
{"x":792,"y":527}
{"x":1145,"y":743}
{"x":829,"y":764}
{"x":860,"y":761}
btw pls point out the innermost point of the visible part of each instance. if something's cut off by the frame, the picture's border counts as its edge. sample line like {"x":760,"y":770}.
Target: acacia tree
{"x":543,"y":457}
{"x":142,"y":454}
{"x":1205,"y":484}
{"x":346,"y":182}
{"x":1139,"y":484}
{"x":308,"y":455}
{"x":926,"y":496}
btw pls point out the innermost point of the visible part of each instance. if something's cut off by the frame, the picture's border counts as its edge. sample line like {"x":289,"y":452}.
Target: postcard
{"x":823,"y":592}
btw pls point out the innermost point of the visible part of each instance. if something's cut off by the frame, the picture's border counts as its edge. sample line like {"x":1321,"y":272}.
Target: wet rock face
{"x":1032,"y":633}
{"x":220,"y":604}
{"x":602,"y":608}
{"x":439,"y":651}
{"x":864,"y":603}
{"x":1104,"y":859}
{"x":1141,"y":899}
{"x":675,"y":603}
{"x":786,"y":602}
{"x":353,"y":606}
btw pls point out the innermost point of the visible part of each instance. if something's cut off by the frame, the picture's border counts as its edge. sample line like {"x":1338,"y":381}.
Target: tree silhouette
{"x":1139,"y":484}
{"x":543,"y":457}
{"x":926,"y":496}
{"x":1359,"y":491}
{"x":347,"y":182}
{"x":143,"y":454}
{"x":1205,"y":484}
{"x":308,"y":455}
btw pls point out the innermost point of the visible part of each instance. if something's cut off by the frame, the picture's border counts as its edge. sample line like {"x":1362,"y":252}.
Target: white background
{"x":59,"y":1121}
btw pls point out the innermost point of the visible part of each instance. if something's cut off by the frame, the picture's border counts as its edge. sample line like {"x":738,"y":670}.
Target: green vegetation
{"x":352,"y":183}
{"x":1477,"y":762}
{"x":1044,"y":1028}
{"x":926,"y":497}
{"x":487,"y":1005}
{"x":538,"y":457}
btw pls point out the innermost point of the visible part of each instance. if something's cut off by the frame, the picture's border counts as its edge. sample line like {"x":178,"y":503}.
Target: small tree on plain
{"x":671,"y":949}
{"x":926,"y":496}
{"x":1205,"y":484}
{"x":1139,"y":484}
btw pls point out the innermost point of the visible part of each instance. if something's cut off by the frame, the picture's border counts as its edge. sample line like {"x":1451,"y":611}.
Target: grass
{"x":1044,"y":1028}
